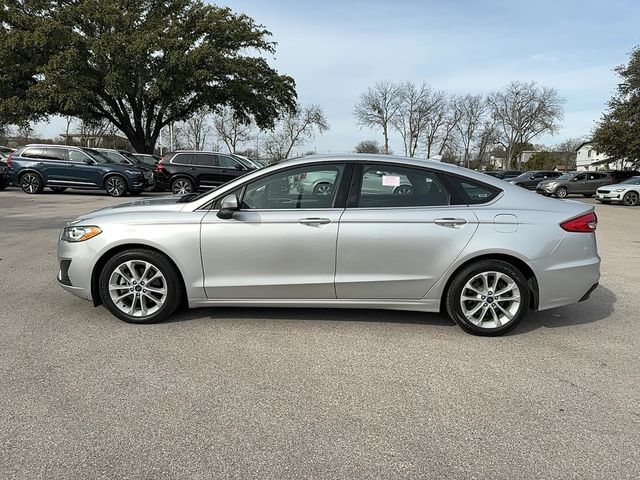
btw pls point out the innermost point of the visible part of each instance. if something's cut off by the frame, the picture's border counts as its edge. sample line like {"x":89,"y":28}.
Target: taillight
{"x":584,"y":223}
{"x":10,"y":160}
{"x":160,"y":166}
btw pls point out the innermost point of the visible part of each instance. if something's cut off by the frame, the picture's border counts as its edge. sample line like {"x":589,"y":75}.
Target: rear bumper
{"x":570,"y":273}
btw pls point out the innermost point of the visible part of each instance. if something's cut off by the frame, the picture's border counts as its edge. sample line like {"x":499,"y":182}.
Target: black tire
{"x":58,"y":189}
{"x":631,"y":199}
{"x":3,"y":186}
{"x":454,"y":301}
{"x":182,"y":186}
{"x":31,"y":183}
{"x":403,"y":190}
{"x":324,"y":189}
{"x":588,"y":195}
{"x":561,"y":192}
{"x":172,"y":281}
{"x":116,"y":186}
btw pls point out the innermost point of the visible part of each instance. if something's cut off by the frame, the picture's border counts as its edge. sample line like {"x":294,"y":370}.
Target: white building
{"x":588,"y":159}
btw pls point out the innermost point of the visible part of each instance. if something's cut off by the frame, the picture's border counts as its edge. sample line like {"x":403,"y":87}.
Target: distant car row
{"x":608,"y":187}
{"x":58,"y":167}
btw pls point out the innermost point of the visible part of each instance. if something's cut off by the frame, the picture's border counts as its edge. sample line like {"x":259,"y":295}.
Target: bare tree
{"x":231,"y":129}
{"x":367,"y":146}
{"x":451,"y":118}
{"x":91,"y":131}
{"x":523,"y":111}
{"x":435,"y":122}
{"x":412,"y":120}
{"x":486,"y":141}
{"x":567,"y":149}
{"x":471,"y":112}
{"x":378,"y":107}
{"x":194,"y":132}
{"x":293,"y":130}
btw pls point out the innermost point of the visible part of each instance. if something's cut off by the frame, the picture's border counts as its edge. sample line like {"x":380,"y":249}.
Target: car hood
{"x":147,"y":206}
{"x":617,"y":185}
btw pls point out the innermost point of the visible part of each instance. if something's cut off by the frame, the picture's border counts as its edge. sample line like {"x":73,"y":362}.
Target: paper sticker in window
{"x":390,"y":181}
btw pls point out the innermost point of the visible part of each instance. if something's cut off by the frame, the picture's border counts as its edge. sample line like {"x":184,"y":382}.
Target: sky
{"x":336,"y":49}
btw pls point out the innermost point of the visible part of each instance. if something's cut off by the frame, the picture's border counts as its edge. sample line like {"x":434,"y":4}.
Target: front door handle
{"x":451,"y":222}
{"x":314,"y":221}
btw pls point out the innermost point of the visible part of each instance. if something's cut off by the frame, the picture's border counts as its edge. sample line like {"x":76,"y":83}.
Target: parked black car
{"x":147,"y":158}
{"x":4,"y":175}
{"x":505,"y":174}
{"x":184,"y":172}
{"x":583,"y":183}
{"x":59,"y":167}
{"x":531,"y":179}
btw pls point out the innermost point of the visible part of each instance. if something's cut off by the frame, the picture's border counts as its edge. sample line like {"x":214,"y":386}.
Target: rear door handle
{"x":451,"y":222}
{"x":314,"y":221}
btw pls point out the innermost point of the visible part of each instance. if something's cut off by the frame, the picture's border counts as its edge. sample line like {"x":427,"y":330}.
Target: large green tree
{"x":139,"y":64}
{"x":618,"y":131}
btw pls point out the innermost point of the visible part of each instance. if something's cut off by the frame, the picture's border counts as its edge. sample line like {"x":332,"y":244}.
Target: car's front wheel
{"x":140,"y":286}
{"x":561,"y":192}
{"x":116,"y":186}
{"x":489,"y":297}
{"x":631,"y":199}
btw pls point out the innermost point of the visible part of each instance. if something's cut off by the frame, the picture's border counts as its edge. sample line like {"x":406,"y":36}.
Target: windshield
{"x":97,"y":156}
{"x":631,"y":181}
{"x":132,"y":158}
{"x":566,"y":176}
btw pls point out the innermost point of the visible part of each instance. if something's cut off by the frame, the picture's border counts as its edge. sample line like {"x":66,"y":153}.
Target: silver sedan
{"x":476,"y":247}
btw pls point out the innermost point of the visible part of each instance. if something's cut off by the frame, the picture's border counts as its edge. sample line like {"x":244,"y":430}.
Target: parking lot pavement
{"x":274,"y":393}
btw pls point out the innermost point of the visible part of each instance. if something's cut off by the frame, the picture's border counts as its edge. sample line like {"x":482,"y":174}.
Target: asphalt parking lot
{"x":274,"y":393}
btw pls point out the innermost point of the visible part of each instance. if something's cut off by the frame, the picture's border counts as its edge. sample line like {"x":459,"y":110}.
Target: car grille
{"x":603,"y":191}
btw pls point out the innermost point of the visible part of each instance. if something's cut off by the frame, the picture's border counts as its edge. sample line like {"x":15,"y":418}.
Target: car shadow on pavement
{"x":314,"y":314}
{"x":598,"y":307}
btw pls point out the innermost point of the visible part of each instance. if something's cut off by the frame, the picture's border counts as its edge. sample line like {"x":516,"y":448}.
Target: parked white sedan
{"x":627,"y":192}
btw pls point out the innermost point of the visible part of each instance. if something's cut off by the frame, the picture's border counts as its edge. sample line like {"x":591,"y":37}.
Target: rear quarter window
{"x":473,"y":192}
{"x":31,"y":152}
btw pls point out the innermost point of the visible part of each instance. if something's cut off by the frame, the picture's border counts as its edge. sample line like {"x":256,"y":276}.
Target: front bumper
{"x":609,"y":196}
{"x":76,"y":262}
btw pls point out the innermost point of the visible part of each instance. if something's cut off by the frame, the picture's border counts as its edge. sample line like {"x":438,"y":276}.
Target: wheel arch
{"x":108,"y":175}
{"x":521,"y":265}
{"x":26,"y":170}
{"x":104,"y":258}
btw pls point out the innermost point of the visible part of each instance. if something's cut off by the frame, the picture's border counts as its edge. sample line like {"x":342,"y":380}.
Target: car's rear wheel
{"x":31,"y":183}
{"x":403,"y":190}
{"x":116,"y":186}
{"x":58,"y":189}
{"x":631,"y":199}
{"x":323,"y":190}
{"x":182,"y":186}
{"x":561,"y":192}
{"x":140,"y":286}
{"x":488,"y":298}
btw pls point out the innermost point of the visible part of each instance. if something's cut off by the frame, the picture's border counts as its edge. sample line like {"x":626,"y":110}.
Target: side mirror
{"x":89,"y":161}
{"x":228,"y":207}
{"x":239,"y":166}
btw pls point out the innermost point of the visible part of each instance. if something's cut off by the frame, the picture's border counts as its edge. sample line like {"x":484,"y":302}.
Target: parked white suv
{"x":626,"y":192}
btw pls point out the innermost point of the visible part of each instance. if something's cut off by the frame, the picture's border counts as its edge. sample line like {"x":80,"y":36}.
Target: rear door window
{"x":54,"y":154}
{"x":205,"y":159}
{"x":384,"y":185}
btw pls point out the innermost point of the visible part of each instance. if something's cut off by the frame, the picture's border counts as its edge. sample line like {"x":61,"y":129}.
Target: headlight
{"x":618,"y":190}
{"x":79,"y":234}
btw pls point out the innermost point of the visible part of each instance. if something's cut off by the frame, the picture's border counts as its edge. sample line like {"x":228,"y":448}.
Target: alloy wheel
{"x":631,"y":199}
{"x":490,"y":299}
{"x":561,"y":192}
{"x":181,"y":187}
{"x":324,"y":190}
{"x":115,"y":186}
{"x":403,"y":190}
{"x":30,"y":183}
{"x":138,"y":288}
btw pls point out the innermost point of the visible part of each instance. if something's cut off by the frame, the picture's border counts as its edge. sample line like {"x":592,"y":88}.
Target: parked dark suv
{"x":184,"y":172}
{"x":59,"y":167}
{"x":531,"y":179}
